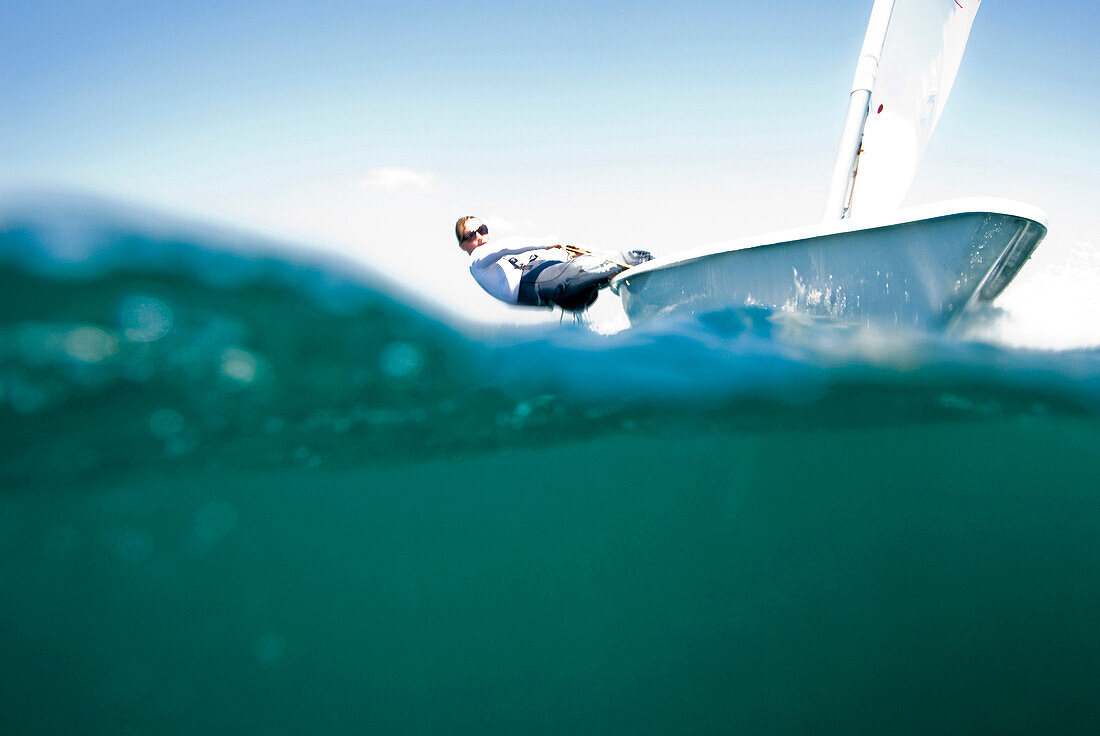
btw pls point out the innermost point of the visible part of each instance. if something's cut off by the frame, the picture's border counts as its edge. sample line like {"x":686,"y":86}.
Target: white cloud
{"x":398,"y":177}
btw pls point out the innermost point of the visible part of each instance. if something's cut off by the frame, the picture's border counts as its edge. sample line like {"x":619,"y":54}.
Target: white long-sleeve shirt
{"x":498,"y":265}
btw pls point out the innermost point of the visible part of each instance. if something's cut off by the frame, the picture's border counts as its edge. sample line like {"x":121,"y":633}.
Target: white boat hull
{"x":921,"y":266}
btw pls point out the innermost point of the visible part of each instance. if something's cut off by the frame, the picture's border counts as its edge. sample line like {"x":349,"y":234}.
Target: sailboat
{"x":867,"y":261}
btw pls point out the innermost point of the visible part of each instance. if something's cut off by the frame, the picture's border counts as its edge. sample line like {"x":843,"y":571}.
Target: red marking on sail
{"x":880,"y":108}
{"x":958,"y":3}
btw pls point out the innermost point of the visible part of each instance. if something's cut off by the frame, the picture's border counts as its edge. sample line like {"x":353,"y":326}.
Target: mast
{"x":836,"y":206}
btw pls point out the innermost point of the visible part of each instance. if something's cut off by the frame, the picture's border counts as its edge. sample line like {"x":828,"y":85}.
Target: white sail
{"x":920,"y":58}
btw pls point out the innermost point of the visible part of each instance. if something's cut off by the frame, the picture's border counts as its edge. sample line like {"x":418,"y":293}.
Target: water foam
{"x":1052,"y":305}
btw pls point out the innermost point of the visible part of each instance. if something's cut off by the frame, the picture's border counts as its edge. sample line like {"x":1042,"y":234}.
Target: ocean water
{"x":247,"y":491}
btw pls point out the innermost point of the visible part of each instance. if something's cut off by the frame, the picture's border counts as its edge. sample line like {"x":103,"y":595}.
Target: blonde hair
{"x":460,"y":226}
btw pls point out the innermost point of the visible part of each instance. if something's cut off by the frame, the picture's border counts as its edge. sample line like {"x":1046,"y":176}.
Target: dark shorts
{"x":564,"y":283}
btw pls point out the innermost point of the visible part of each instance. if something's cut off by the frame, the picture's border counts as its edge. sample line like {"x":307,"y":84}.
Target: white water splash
{"x":1054,"y":304}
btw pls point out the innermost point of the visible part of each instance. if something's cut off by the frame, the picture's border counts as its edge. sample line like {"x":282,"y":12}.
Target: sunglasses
{"x":483,"y":230}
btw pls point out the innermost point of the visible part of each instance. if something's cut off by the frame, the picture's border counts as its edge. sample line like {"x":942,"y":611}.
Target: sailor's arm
{"x":493,"y":253}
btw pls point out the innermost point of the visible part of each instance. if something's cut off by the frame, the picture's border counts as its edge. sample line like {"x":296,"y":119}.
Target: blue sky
{"x":370,"y":127}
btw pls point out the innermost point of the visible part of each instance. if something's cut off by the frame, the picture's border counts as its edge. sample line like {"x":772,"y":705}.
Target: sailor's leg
{"x":574,"y":285}
{"x":528,"y":293}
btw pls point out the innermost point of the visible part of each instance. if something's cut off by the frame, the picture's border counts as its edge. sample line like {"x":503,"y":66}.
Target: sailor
{"x":538,"y":273}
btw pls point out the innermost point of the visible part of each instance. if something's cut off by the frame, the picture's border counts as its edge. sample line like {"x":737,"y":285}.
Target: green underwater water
{"x":914,"y":579}
{"x":247,"y":494}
